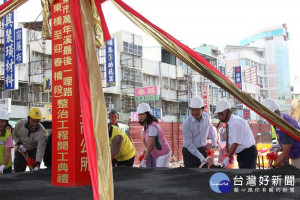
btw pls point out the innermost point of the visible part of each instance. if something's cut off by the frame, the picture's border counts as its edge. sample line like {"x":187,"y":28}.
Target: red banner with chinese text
{"x":69,"y":158}
{"x":205,"y":97}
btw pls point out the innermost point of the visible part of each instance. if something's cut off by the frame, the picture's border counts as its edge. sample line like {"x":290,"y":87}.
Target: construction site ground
{"x":135,"y":183}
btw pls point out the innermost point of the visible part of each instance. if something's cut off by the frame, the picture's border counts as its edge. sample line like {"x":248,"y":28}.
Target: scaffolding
{"x":131,"y":75}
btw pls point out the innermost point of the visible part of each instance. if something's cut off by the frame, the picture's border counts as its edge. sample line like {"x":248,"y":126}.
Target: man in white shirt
{"x":195,"y":134}
{"x":240,"y":137}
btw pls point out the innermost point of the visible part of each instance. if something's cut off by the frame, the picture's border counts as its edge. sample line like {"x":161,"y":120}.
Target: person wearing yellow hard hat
{"x":29,"y":136}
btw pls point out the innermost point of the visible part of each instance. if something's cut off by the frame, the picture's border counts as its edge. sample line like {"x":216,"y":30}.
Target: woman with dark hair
{"x":156,"y":143}
{"x":9,"y":128}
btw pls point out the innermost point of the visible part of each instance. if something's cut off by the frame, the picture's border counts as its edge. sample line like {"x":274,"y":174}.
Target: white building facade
{"x":274,"y":41}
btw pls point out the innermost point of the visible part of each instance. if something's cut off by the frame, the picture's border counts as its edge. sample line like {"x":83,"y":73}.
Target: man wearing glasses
{"x":240,"y":139}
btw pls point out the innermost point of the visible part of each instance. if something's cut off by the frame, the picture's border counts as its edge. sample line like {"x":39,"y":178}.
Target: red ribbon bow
{"x":30,"y":162}
{"x":272,"y":156}
{"x":210,"y":152}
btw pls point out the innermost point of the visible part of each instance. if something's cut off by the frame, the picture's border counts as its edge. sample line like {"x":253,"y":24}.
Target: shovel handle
{"x":203,"y":163}
{"x":270,"y":164}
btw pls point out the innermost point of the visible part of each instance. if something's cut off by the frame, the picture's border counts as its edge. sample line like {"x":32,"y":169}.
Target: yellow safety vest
{"x":273,"y":133}
{"x":127,"y":150}
{"x":2,"y":149}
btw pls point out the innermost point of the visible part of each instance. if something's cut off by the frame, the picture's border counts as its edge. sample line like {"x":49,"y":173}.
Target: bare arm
{"x":144,"y":142}
{"x":232,"y":149}
{"x":116,"y":145}
{"x":149,"y":147}
{"x":284,"y":155}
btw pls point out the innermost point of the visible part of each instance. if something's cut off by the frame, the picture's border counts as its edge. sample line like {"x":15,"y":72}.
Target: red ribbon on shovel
{"x":30,"y":161}
{"x":210,"y":153}
{"x":141,"y":157}
{"x":272,"y":156}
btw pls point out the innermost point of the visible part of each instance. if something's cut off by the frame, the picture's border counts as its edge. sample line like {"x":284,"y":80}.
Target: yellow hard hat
{"x":35,"y":113}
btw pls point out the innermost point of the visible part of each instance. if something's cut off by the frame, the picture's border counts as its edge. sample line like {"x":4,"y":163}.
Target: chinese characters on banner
{"x":47,"y":84}
{"x":246,"y":114}
{"x":18,"y":46}
{"x":134,"y":117}
{"x":69,"y":158}
{"x":238,"y":77}
{"x":111,"y":75}
{"x":10,"y":74}
{"x":205,"y":97}
{"x":157,"y":113}
{"x":146,"y":94}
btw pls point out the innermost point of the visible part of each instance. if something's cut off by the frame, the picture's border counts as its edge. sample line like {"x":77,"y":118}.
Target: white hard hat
{"x":3,"y":114}
{"x":271,"y":104}
{"x":196,"y":102}
{"x":142,"y":108}
{"x":222,"y":105}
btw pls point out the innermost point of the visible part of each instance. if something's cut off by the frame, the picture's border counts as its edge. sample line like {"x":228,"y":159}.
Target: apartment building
{"x":274,"y":41}
{"x":140,"y":66}
{"x":254,"y":79}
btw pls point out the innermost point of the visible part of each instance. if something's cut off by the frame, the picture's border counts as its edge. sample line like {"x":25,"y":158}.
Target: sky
{"x":213,"y":22}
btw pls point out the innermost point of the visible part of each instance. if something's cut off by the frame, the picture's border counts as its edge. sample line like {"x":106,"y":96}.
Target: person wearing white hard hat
{"x":30,"y":136}
{"x":240,"y":139}
{"x":6,"y":144}
{"x":195,"y":130}
{"x":289,"y":146}
{"x":155,"y":140}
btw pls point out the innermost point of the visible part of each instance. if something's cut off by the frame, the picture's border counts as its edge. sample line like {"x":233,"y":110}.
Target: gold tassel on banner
{"x":11,"y":7}
{"x":46,"y":9}
{"x":104,"y":167}
{"x":99,"y":37}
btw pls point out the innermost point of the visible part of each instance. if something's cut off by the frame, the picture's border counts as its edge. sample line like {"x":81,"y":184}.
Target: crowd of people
{"x":27,"y":140}
{"x":232,"y":138}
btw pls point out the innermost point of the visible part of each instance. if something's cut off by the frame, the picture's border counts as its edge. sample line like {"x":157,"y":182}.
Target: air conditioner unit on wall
{"x":111,"y":106}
